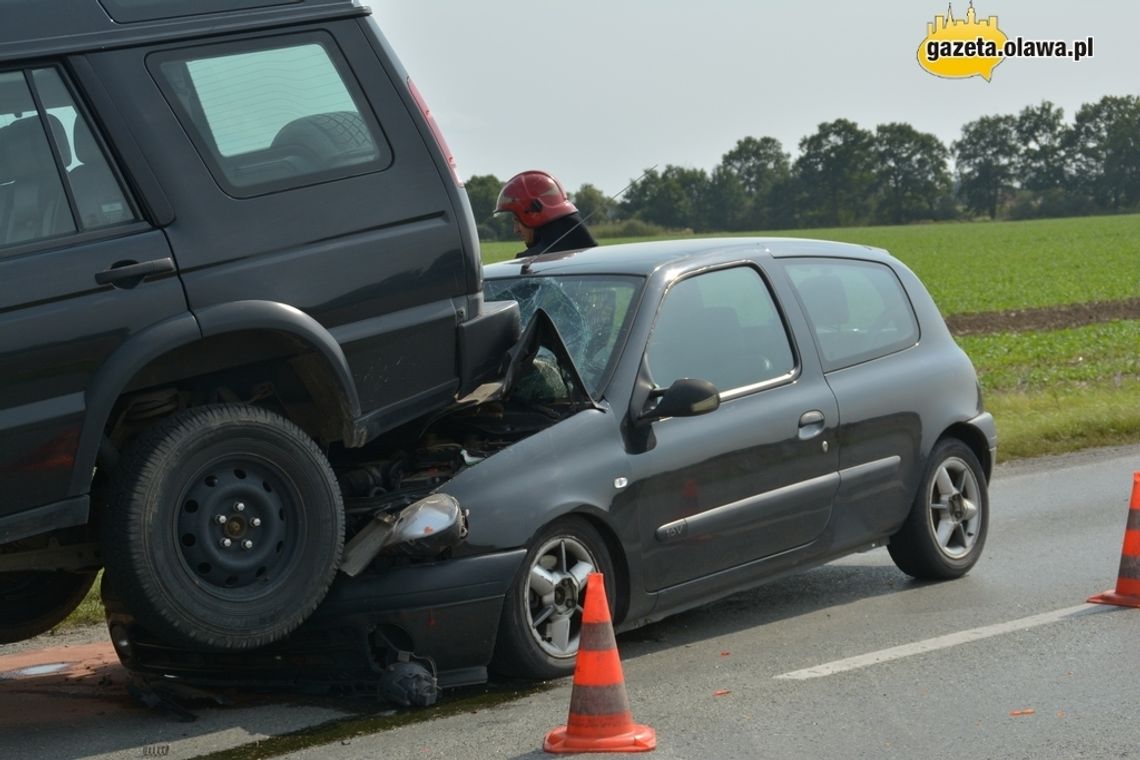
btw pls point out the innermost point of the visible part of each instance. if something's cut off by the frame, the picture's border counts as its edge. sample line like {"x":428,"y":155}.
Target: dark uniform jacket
{"x":565,"y":234}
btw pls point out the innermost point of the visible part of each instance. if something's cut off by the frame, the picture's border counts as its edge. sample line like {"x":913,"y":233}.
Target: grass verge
{"x":1059,"y":421}
{"x":1055,"y":360}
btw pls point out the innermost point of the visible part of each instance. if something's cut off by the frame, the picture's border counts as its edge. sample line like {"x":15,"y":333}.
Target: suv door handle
{"x":121,"y":271}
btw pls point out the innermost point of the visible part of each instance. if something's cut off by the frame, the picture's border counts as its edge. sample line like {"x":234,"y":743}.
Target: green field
{"x":1072,"y":359}
{"x":1051,"y":391}
{"x":987,"y":266}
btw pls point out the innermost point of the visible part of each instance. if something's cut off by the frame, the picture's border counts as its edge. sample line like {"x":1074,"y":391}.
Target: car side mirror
{"x":686,"y":397}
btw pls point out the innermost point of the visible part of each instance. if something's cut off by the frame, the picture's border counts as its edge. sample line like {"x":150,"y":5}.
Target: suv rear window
{"x":858,"y":309}
{"x":272,"y":118}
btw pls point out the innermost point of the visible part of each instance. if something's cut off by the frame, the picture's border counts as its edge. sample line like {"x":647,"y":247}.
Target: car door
{"x":865,"y":326}
{"x":68,"y":233}
{"x":753,"y":478}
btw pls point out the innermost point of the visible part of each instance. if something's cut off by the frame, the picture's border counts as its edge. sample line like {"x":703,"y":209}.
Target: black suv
{"x":233,"y":247}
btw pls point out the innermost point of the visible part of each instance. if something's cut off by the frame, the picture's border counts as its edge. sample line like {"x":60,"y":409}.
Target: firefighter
{"x":544,"y":217}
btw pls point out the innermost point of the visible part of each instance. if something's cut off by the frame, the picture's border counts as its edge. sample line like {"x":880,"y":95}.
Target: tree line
{"x":1032,"y":164}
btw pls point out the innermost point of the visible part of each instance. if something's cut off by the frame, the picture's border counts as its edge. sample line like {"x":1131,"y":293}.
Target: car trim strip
{"x":734,"y":513}
{"x":850,"y":476}
{"x":744,"y":390}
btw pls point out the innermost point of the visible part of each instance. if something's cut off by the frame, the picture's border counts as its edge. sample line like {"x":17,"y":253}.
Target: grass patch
{"x":1056,"y":359}
{"x":991,"y":266}
{"x":88,"y":613}
{"x":1057,"y":422}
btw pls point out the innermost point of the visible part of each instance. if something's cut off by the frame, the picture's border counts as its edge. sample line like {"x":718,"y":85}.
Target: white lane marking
{"x":939,"y":642}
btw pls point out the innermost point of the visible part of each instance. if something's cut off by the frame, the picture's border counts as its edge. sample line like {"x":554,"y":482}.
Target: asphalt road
{"x":850,"y":660}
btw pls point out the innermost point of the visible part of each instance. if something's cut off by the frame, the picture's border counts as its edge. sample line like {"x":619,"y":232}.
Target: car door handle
{"x":814,"y":417}
{"x":133,"y":270}
{"x":811,"y":424}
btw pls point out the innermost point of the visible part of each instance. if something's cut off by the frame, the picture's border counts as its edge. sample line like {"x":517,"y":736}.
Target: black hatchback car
{"x":690,"y":418}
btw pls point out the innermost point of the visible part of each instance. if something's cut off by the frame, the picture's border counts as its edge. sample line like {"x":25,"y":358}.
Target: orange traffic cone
{"x":1127,"y":593}
{"x":600,"y":719}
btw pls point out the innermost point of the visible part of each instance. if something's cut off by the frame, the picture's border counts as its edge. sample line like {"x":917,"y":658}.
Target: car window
{"x":273,"y":118}
{"x":591,"y":312}
{"x":35,"y":202}
{"x":722,"y":326}
{"x":858,"y":309}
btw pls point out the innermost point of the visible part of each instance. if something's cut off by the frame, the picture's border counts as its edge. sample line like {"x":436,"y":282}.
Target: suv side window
{"x":858,"y":309}
{"x":35,"y":202}
{"x":270,"y":116}
{"x":722,"y":326}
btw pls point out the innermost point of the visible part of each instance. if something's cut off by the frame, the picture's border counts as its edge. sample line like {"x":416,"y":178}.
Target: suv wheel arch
{"x":330,"y":370}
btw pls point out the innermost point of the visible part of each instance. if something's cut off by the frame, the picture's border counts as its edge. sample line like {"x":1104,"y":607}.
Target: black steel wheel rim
{"x":238,"y":523}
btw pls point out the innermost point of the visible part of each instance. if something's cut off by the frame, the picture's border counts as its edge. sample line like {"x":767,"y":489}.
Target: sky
{"x":596,"y":91}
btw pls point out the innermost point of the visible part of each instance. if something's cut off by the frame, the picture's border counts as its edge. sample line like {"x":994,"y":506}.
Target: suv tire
{"x":35,"y":602}
{"x":225,"y":527}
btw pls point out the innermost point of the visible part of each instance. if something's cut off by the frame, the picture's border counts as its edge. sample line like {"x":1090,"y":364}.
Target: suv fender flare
{"x":273,"y":315}
{"x":149,"y":344}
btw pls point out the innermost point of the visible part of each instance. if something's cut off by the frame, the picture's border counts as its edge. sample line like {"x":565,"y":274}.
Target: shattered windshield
{"x":591,"y":312}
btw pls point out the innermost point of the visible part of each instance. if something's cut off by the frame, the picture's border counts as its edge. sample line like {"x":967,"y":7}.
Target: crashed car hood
{"x":541,"y":332}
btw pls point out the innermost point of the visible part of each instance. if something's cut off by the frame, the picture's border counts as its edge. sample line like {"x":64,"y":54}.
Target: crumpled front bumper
{"x":446,"y":611}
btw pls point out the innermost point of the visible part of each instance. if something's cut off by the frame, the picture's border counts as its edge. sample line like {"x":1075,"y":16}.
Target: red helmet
{"x":535,"y":198}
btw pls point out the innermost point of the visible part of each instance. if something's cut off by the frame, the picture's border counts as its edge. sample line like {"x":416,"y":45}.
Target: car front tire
{"x":542,"y":613}
{"x":946,"y":529}
{"x":225,"y":528}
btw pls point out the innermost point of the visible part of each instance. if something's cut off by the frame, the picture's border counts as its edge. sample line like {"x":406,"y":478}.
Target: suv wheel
{"x":32,"y":603}
{"x":225,"y":527}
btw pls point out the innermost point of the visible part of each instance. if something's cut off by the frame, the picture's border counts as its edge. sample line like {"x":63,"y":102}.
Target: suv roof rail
{"x":47,"y":29}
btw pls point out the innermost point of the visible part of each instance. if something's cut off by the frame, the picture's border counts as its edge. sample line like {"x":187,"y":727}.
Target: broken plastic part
{"x":408,"y":684}
{"x":423,"y":529}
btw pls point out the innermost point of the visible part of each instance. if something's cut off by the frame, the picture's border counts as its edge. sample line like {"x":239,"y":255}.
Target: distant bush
{"x":1050,"y":204}
{"x":634,"y":228}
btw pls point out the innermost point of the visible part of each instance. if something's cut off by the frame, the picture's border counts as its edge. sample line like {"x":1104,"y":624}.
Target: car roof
{"x":645,"y":258}
{"x":36,"y":29}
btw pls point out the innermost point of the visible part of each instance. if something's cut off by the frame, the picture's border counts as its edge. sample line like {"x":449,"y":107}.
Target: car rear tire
{"x":542,"y":612}
{"x":32,"y":603}
{"x":946,"y":529}
{"x":225,"y":528}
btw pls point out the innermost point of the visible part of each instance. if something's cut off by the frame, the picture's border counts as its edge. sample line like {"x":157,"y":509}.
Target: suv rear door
{"x":299,"y":177}
{"x":80,"y":273}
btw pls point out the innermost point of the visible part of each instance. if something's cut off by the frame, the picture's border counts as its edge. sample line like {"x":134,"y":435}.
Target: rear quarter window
{"x":270,"y":115}
{"x":858,"y":309}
